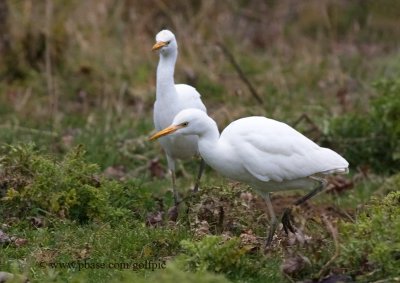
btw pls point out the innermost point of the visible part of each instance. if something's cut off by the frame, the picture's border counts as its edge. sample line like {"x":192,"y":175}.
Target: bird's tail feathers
{"x":336,"y":171}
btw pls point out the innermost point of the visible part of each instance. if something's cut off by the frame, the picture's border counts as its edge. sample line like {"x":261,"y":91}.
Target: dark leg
{"x":287,"y":214}
{"x":201,"y":169}
{"x":273,"y":222}
{"x":171,"y":166}
{"x":174,"y":188}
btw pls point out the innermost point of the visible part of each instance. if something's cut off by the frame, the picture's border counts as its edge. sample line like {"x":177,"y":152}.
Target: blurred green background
{"x":84,"y":70}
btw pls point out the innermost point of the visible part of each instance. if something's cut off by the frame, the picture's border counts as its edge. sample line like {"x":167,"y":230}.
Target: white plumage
{"x":264,"y":153}
{"x":273,"y":151}
{"x":171,"y":98}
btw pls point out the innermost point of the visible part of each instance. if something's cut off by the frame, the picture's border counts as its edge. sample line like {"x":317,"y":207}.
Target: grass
{"x":125,"y":223}
{"x":80,"y":183}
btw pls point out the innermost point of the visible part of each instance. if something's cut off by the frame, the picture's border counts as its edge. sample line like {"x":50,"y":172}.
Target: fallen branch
{"x":309,"y":121}
{"x":241,"y":74}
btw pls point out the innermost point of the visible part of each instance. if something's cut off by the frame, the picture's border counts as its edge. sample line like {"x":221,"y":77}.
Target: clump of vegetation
{"x":219,"y":209}
{"x":218,"y":254}
{"x":372,"y":139}
{"x":390,"y":185}
{"x":371,"y":245}
{"x":71,"y":188}
{"x":174,"y":274}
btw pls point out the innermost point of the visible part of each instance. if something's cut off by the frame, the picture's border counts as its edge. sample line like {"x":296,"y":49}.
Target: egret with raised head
{"x":171,"y":98}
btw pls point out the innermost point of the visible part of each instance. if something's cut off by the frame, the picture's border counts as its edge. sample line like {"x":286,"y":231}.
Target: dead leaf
{"x":5,"y":226}
{"x":67,"y":140}
{"x":202,"y":230}
{"x":339,"y":278}
{"x":173,"y":213}
{"x":295,"y":264}
{"x":37,"y":222}
{"x":9,"y":277}
{"x":339,"y":184}
{"x":343,"y":97}
{"x":4,"y":238}
{"x":5,"y":276}
{"x":298,"y":237}
{"x":115,"y":172}
{"x":84,"y":253}
{"x":247,"y":197}
{"x":45,"y":255}
{"x":85,"y":70}
{"x":20,"y":242}
{"x":156,"y":170}
{"x":155,"y":218}
{"x":248,"y":238}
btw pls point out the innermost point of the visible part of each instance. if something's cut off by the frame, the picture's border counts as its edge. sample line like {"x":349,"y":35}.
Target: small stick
{"x":242,"y":76}
{"x":313,"y":126}
{"x":220,"y":225}
{"x":53,"y":97}
{"x":334,"y":234}
{"x":304,"y":116}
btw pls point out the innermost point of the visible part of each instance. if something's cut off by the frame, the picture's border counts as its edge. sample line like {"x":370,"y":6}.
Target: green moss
{"x":371,"y":245}
{"x":218,"y":255}
{"x":174,"y":274}
{"x":372,"y":139}
{"x":63,"y":242}
{"x":391,"y":184}
{"x":68,"y":188}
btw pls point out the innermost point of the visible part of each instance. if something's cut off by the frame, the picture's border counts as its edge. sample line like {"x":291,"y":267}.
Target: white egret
{"x":266,"y":154}
{"x":171,"y":98}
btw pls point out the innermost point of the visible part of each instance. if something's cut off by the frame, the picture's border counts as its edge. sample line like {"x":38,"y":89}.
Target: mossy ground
{"x":81,"y":185}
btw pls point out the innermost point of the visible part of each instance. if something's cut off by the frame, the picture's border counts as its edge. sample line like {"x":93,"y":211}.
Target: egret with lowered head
{"x":266,"y":154}
{"x":171,"y":98}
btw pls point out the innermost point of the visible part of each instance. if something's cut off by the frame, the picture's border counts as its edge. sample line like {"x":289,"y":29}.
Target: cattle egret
{"x":268,"y":155}
{"x":171,"y":98}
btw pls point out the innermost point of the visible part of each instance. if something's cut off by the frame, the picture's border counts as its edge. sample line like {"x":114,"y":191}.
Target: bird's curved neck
{"x":165,"y":74}
{"x":209,"y":141}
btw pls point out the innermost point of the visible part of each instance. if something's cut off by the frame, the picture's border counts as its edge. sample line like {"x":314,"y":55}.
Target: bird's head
{"x":165,"y":42}
{"x":187,"y":122}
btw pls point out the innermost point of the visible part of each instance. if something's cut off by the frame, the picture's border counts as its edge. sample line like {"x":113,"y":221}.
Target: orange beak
{"x":166,"y":131}
{"x":158,"y":45}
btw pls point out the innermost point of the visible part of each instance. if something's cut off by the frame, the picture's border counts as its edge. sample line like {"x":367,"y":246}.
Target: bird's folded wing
{"x":190,"y":97}
{"x":271,"y":150}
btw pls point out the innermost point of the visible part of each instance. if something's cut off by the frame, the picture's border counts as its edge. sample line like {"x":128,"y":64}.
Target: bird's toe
{"x":287,"y":220}
{"x":173,"y":213}
{"x":269,"y":240}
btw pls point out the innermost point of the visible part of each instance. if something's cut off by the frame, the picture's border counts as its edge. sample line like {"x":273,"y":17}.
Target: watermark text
{"x":80,"y":265}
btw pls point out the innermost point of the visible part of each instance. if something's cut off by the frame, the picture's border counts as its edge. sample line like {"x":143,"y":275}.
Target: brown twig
{"x":49,"y":68}
{"x":241,"y":74}
{"x":335,"y":237}
{"x":288,"y":277}
{"x":313,"y":126}
{"x":220,"y":225}
{"x":4,"y":29}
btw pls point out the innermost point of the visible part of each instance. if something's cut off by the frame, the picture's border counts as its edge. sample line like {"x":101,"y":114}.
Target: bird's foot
{"x":196,"y":188}
{"x":287,"y":220}
{"x":173,"y":213}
